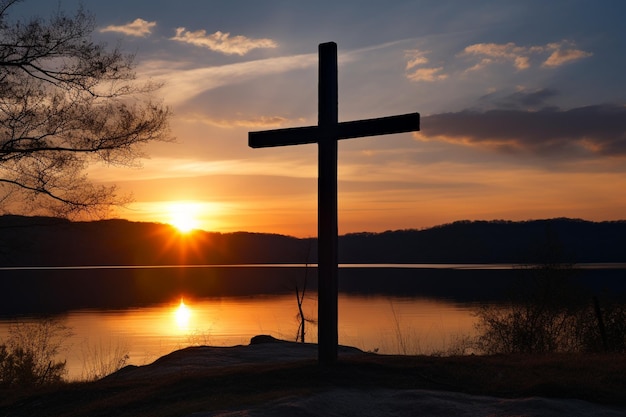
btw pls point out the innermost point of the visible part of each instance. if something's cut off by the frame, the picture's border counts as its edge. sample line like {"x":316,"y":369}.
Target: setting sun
{"x":184,"y":216}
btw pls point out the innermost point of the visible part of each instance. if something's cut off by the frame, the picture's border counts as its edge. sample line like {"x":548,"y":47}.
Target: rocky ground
{"x":277,"y":378}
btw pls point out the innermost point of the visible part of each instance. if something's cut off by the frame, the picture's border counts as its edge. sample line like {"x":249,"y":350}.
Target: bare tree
{"x":65,"y":102}
{"x":301,"y":332}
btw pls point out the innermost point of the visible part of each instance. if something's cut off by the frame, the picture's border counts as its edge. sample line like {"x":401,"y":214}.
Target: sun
{"x":184,"y":217}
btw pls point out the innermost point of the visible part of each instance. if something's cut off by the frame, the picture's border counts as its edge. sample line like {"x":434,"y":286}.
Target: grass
{"x":102,"y":358}
{"x":595,"y":378}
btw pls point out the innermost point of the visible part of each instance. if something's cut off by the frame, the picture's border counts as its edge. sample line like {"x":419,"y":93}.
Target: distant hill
{"x":560,"y":240}
{"x":44,"y":241}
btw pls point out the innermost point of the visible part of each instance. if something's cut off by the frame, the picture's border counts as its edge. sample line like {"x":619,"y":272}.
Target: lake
{"x":372,"y":323}
{"x":407,"y":309}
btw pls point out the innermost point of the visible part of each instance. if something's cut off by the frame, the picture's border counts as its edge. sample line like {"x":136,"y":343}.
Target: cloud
{"x":138,"y":27}
{"x":559,"y":53}
{"x":560,"y":57}
{"x":520,"y":100}
{"x":416,"y":58}
{"x":222,"y":42}
{"x":492,"y":52}
{"x":165,"y":167}
{"x":254,"y":122}
{"x":427,"y":74}
{"x":185,"y":84}
{"x":522,"y":58}
{"x":583,"y":132}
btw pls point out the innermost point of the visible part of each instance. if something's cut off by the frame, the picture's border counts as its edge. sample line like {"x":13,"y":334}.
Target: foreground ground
{"x":279,"y":377}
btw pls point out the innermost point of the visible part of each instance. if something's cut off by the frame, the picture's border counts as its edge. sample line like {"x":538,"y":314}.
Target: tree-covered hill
{"x":43,"y":241}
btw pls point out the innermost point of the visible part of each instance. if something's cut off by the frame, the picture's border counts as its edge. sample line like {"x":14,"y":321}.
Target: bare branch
{"x":66,"y":101}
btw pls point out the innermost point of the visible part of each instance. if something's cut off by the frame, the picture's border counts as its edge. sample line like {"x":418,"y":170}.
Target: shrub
{"x":29,"y":356}
{"x":602,"y":327}
{"x":547,"y":313}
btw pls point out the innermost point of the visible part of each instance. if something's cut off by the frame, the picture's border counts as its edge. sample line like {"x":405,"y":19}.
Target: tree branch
{"x":63,"y":101}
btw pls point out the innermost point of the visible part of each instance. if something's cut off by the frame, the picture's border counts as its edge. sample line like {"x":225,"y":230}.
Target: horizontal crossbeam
{"x":344,"y":130}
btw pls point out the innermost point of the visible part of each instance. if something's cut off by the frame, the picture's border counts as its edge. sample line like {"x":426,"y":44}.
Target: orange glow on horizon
{"x":184,"y":216}
{"x":452,"y":192}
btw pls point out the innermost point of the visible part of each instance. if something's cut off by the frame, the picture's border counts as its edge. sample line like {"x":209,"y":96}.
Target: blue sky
{"x":522,"y":104}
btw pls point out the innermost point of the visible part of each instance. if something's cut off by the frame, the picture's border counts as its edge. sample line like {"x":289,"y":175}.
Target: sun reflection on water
{"x":182,"y":315}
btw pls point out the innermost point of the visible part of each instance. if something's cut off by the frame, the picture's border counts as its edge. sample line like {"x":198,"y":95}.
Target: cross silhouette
{"x":326,"y":134}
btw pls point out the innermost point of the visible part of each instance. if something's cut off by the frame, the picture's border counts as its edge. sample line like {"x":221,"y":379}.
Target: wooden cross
{"x":326,"y":134}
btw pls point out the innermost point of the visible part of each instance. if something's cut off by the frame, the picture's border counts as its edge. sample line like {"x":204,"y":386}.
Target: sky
{"x":522,"y":103}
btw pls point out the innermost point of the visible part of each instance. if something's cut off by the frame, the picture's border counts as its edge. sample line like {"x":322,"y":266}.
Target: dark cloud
{"x":584,"y":131}
{"x":526,"y":100}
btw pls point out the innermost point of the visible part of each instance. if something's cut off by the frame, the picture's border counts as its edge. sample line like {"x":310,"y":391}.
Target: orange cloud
{"x":493,"y":52}
{"x":260,"y":121}
{"x":560,"y":53}
{"x":416,"y":58}
{"x":560,"y":57}
{"x":138,"y":27}
{"x":222,"y":42}
{"x":427,"y":74}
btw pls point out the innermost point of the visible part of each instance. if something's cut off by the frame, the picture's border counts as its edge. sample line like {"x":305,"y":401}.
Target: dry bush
{"x":30,"y":355}
{"x":547,"y":313}
{"x":102,"y":359}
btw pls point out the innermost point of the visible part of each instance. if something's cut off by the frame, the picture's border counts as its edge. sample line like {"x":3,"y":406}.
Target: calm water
{"x":386,"y":308}
{"x":386,"y":324}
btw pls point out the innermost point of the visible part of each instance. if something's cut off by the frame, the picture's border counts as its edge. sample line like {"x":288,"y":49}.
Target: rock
{"x":264,"y":338}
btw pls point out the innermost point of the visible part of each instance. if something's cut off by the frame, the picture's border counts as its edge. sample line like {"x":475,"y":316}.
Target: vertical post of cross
{"x":326,"y":134}
{"x":327,"y":206}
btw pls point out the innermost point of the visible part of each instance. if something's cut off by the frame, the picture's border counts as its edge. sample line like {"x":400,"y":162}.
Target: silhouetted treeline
{"x":500,"y":241}
{"x":41,"y":241}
